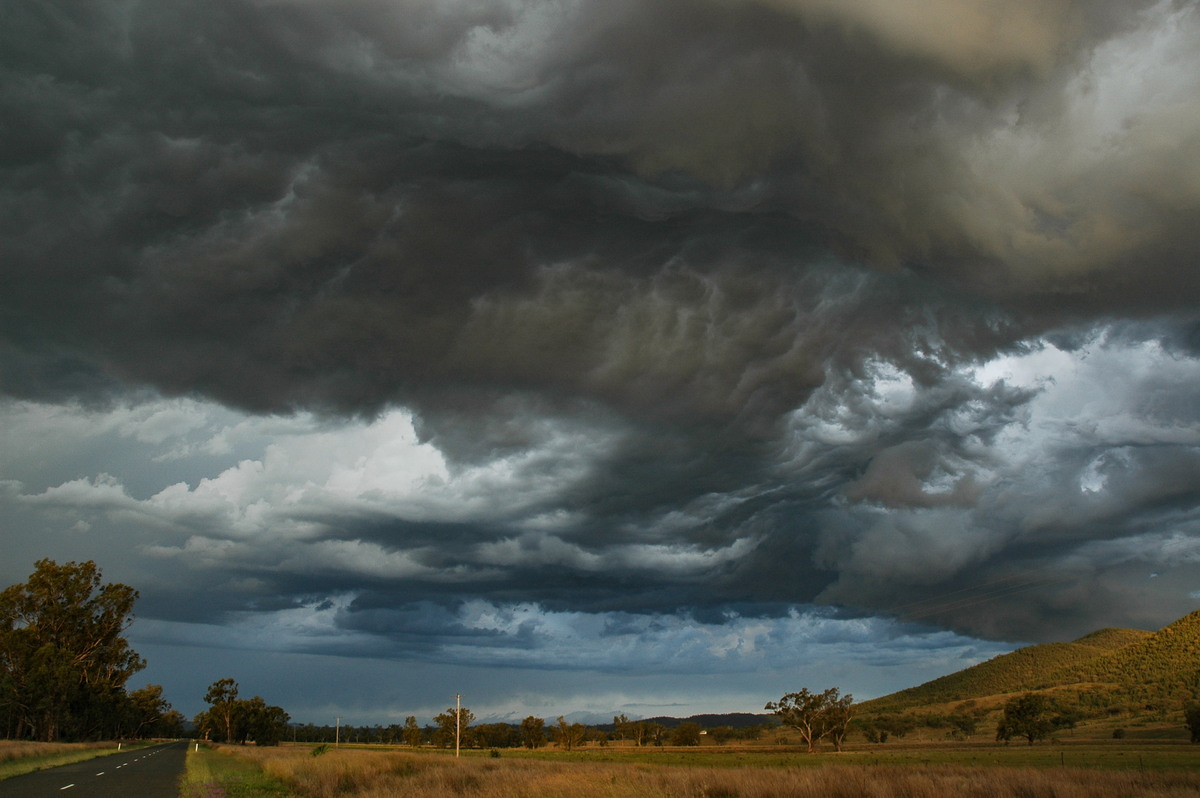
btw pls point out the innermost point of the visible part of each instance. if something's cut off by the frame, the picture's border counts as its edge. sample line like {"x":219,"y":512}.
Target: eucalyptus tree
{"x":815,"y":715}
{"x":64,"y":660}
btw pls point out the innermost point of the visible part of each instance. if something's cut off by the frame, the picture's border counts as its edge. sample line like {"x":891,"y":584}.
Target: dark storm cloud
{"x":716,"y":272}
{"x":294,"y":204}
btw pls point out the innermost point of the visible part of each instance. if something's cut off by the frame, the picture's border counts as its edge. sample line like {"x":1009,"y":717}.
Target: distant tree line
{"x":64,"y":661}
{"x":230,"y":719}
{"x":532,"y":732}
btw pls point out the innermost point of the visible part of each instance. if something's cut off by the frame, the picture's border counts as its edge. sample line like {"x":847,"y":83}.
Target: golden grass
{"x":21,"y":749}
{"x":18,"y":756}
{"x":375,"y":774}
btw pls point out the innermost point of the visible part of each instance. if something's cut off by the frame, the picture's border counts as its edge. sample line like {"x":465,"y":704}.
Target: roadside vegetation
{"x":213,"y":774}
{"x":18,"y":757}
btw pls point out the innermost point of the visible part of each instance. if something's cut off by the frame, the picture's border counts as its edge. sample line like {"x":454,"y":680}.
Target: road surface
{"x":137,"y":773}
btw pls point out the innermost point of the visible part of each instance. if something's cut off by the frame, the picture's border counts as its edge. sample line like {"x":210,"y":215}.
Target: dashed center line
{"x":69,"y":786}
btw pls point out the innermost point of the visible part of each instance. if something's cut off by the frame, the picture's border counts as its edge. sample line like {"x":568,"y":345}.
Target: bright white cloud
{"x":303,"y":466}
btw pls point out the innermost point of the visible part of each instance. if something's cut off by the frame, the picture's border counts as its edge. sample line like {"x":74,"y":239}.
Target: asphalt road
{"x":142,"y":773}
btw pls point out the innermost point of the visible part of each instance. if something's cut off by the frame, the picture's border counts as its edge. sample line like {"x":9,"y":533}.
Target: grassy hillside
{"x":1024,"y":669}
{"x":1159,"y":670}
{"x":1111,"y":673}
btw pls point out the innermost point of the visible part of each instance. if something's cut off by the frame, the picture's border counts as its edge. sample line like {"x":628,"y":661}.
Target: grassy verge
{"x":18,"y":758}
{"x":214,"y":774}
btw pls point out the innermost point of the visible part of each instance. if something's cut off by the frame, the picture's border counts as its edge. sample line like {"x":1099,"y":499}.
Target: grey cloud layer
{"x":706,"y":280}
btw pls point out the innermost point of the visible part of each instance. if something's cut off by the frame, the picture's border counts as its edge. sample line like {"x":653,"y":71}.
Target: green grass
{"x":211,"y":774}
{"x":28,"y":764}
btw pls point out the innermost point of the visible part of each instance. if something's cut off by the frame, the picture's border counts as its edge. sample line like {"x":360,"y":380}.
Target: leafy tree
{"x":815,"y":715}
{"x":150,"y":715}
{"x":497,"y":735}
{"x":964,"y":725}
{"x":896,"y":725}
{"x":874,"y":733}
{"x":170,"y":724}
{"x":569,"y":735}
{"x":838,"y":715}
{"x":722,"y":734}
{"x":1191,"y":717}
{"x":533,"y":732}
{"x":261,"y":722}
{"x":1068,"y":719}
{"x":63,"y":660}
{"x":687,"y":733}
{"x":1025,"y":716}
{"x":222,"y":699}
{"x":412,"y":732}
{"x":655,"y":733}
{"x":449,"y":723}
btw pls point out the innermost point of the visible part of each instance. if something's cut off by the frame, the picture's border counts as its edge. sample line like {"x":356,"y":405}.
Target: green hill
{"x":1111,"y":639}
{"x":1158,"y":671}
{"x":1023,"y":669}
{"x":1146,"y":671}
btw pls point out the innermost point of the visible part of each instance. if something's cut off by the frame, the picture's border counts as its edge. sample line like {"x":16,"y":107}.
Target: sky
{"x":646,"y":356}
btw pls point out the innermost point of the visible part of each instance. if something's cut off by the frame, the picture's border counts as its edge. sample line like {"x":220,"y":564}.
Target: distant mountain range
{"x":1159,"y":670}
{"x":735,"y":720}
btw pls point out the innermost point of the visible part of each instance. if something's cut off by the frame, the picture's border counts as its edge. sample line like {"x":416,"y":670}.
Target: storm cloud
{"x":536,"y":334}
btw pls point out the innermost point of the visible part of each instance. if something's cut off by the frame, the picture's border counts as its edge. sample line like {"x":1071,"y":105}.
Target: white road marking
{"x":69,"y":786}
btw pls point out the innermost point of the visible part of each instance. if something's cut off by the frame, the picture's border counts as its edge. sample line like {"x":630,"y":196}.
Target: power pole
{"x":337,"y":733}
{"x":457,"y":723}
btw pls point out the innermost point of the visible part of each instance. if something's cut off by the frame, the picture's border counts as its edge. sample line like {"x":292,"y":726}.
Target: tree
{"x":873,"y":732}
{"x":815,"y":715}
{"x":839,"y":714}
{"x":449,"y":725}
{"x":150,"y":715}
{"x":655,"y":733}
{"x":687,"y":733}
{"x":258,"y":721}
{"x":533,"y":732}
{"x":496,"y":735}
{"x":1191,"y":717}
{"x":1025,"y":716}
{"x":722,"y":734}
{"x":569,"y":735}
{"x":412,"y":732}
{"x":222,"y":697}
{"x":963,"y":724}
{"x":63,"y":660}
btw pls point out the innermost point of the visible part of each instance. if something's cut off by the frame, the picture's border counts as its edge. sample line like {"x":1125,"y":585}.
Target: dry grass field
{"x":21,"y":749}
{"x":350,"y":773}
{"x":19,"y":756}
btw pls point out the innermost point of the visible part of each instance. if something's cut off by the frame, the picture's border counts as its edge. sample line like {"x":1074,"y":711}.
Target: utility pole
{"x":457,"y":723}
{"x":337,"y":733}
